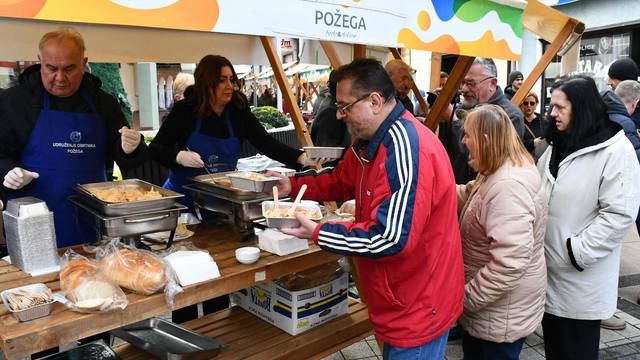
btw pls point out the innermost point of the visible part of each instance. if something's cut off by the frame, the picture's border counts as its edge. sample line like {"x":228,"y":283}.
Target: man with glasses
{"x":480,"y":86}
{"x":405,"y":237}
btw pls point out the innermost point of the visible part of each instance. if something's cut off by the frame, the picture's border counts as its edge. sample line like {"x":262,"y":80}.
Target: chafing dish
{"x":168,"y":199}
{"x":130,"y":224}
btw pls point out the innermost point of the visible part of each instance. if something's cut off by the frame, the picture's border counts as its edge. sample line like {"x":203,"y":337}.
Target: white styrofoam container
{"x":286,"y":222}
{"x":275,"y":242}
{"x":32,"y":312}
{"x":295,"y":311}
{"x":323,"y":152}
{"x":241,"y":180}
{"x":282,"y":171}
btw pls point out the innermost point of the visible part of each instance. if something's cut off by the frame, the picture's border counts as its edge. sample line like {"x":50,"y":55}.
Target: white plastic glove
{"x":130,"y":139}
{"x":18,"y":178}
{"x":189,"y":159}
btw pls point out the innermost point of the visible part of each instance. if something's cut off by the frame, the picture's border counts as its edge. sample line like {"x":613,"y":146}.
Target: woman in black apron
{"x":206,"y":129}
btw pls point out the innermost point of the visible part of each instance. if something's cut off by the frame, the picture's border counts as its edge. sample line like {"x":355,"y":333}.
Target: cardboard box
{"x":295,"y":311}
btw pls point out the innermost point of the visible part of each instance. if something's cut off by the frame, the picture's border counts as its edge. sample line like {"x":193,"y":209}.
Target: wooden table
{"x":64,"y":326}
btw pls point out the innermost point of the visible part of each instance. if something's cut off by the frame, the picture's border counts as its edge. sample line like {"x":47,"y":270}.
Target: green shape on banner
{"x":474,"y":10}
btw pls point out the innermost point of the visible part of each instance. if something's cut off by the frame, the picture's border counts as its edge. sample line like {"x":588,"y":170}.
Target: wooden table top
{"x":64,"y":326}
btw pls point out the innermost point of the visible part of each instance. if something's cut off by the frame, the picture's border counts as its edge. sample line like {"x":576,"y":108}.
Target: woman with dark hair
{"x":207,"y":128}
{"x":591,"y":175}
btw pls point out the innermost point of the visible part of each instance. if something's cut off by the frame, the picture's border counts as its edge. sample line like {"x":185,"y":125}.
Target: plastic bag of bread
{"x":87,"y":289}
{"x":138,"y":270}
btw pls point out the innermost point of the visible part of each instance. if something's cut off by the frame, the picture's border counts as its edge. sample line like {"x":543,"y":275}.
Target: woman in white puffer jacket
{"x":592,"y":177}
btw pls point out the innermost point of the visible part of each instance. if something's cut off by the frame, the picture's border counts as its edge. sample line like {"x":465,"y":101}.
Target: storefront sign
{"x":468,"y":27}
{"x":597,"y":54}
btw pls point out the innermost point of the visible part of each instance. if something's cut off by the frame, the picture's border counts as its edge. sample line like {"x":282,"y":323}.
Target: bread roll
{"x":81,"y":280}
{"x":135,"y":270}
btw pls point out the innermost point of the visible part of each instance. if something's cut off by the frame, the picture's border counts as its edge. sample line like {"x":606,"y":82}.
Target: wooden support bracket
{"x":545,"y":60}
{"x":453,"y":84}
{"x":287,"y":95}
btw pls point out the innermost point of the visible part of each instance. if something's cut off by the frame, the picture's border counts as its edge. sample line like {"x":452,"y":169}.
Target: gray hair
{"x":488,"y":65}
{"x":63,"y":34}
{"x":628,"y":91}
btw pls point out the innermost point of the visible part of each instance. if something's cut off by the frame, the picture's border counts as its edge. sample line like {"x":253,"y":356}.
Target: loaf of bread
{"x":135,"y":270}
{"x":83,"y":283}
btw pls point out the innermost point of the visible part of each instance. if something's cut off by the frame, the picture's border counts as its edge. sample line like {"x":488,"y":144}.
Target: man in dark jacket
{"x":618,"y":113}
{"x":58,"y":129}
{"x":621,"y":70}
{"x":326,"y":129}
{"x":400,"y":74}
{"x":480,"y":86}
{"x":514,"y":82}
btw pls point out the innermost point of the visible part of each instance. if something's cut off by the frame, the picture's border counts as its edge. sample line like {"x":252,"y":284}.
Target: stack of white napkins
{"x":193,"y":266}
{"x":275,"y":242}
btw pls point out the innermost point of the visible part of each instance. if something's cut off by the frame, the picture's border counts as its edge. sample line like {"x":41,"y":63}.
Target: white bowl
{"x":247,"y":255}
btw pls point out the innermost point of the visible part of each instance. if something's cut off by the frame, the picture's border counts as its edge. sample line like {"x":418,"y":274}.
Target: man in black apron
{"x":58,"y":129}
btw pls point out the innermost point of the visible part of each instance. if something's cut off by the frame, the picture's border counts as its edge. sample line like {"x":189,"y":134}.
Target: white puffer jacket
{"x":593,"y":202}
{"x":502,"y":224}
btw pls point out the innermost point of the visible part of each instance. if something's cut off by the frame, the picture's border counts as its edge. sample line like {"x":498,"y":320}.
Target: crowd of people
{"x":515,"y":223}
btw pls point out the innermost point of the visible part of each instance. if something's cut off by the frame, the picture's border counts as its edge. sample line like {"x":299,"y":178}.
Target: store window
{"x":596,"y":55}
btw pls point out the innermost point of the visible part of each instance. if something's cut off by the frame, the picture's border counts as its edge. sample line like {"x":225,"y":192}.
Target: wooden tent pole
{"x":331,"y":53}
{"x":545,"y":60}
{"x":287,"y":95}
{"x":414,"y":87}
{"x":453,"y":84}
{"x":436,"y":68}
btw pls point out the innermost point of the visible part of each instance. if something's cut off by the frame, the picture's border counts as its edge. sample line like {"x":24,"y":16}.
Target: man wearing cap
{"x":621,"y":70}
{"x":400,"y":74}
{"x":513,"y":84}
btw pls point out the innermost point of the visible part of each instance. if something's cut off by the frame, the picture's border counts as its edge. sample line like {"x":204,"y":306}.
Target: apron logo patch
{"x":75,"y":136}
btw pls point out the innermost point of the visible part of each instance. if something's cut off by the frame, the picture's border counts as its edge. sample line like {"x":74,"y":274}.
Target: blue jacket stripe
{"x":390,"y":236}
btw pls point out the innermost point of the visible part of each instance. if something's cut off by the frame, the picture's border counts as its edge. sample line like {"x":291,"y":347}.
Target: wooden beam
{"x":331,"y":53}
{"x":436,"y":68}
{"x":414,"y":87}
{"x":545,"y":60}
{"x":453,"y":84}
{"x":359,"y":51}
{"x":287,"y":95}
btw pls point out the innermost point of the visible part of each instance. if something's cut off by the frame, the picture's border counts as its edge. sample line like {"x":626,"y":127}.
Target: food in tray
{"x":222,"y":181}
{"x":123,"y":194}
{"x":284,"y":213}
{"x":23,"y":299}
{"x":135,"y":270}
{"x":252,"y":176}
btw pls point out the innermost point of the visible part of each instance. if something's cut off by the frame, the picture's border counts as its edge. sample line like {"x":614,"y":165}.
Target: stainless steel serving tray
{"x":167,"y":340}
{"x":168,"y":199}
{"x":206,"y":182}
{"x":130,"y":224}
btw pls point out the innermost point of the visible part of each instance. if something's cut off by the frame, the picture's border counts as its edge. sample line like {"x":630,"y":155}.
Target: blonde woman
{"x":502,"y":223}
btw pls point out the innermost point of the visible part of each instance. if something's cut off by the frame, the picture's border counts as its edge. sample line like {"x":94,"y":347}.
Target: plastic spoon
{"x":276,"y":205}
{"x":293,"y":207}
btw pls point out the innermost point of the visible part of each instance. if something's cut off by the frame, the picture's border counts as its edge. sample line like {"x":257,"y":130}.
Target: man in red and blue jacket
{"x":405,"y":238}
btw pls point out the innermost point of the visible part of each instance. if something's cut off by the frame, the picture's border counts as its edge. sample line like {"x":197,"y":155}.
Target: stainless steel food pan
{"x":127,"y":225}
{"x":168,"y":199}
{"x":167,"y":340}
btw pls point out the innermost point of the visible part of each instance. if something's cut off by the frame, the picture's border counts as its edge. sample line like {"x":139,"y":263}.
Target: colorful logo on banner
{"x":556,"y":2}
{"x":172,"y":14}
{"x":483,"y":28}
